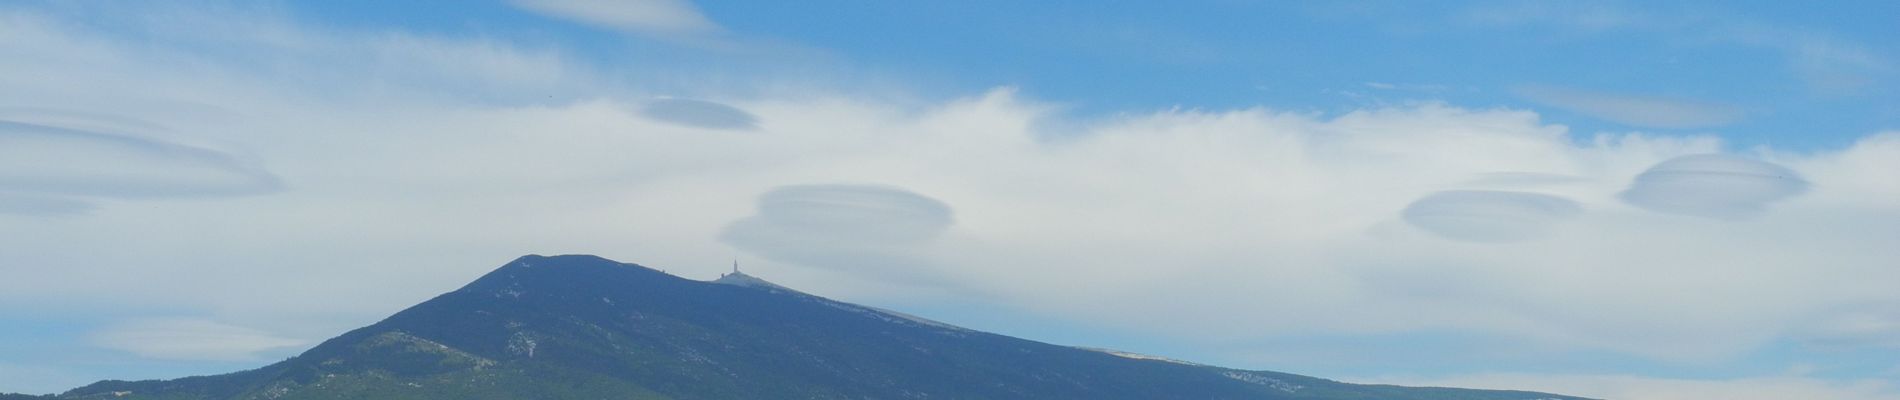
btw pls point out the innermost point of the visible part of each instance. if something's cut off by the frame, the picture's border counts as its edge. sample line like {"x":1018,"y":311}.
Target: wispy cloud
{"x":42,"y":205}
{"x":53,"y":160}
{"x":1641,"y":111}
{"x":190,"y":339}
{"x":1428,"y":88}
{"x":1589,"y":16}
{"x":1828,"y":64}
{"x":1856,"y":327}
{"x":652,"y":17}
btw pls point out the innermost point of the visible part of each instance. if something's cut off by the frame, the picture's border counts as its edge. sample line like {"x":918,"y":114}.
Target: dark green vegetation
{"x":583,"y":327}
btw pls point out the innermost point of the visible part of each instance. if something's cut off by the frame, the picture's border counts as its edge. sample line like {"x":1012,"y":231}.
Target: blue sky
{"x":1792,"y":75}
{"x":1611,"y":199}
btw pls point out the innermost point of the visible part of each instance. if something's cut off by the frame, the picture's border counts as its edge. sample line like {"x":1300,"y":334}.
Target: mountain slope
{"x":572,"y":327}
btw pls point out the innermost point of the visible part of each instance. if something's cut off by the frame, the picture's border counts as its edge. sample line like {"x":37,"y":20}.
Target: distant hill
{"x":584,"y":327}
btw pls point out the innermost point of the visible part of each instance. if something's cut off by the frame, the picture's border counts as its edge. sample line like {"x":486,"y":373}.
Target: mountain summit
{"x":584,"y":327}
{"x":737,"y":278}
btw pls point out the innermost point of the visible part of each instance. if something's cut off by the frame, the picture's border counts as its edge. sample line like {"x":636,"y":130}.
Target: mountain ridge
{"x":578,"y":326}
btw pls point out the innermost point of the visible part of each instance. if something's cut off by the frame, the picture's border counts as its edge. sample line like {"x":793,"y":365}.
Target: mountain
{"x":584,"y":327}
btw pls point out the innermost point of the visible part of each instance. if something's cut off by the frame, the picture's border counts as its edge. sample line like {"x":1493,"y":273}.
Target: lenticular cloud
{"x":862,"y":213}
{"x":700,"y":114}
{"x":1714,"y":186}
{"x":59,"y":161}
{"x":1489,"y":215}
{"x":871,"y":229}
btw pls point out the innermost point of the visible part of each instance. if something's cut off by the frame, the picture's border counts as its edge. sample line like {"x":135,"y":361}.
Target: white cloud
{"x":658,"y":17}
{"x":1642,"y":111}
{"x":190,"y":339}
{"x":1126,"y":224}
